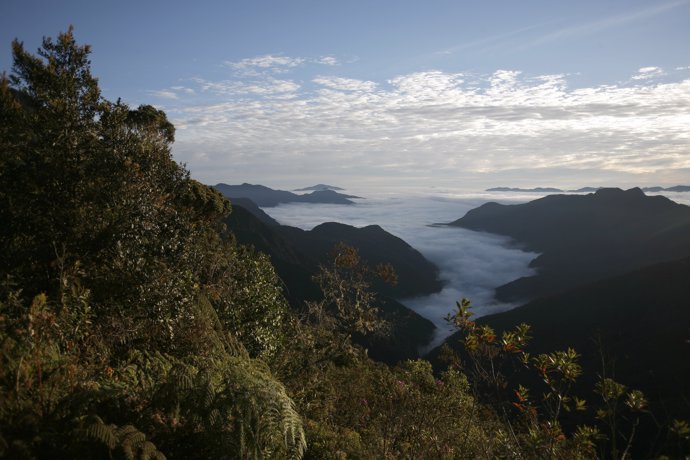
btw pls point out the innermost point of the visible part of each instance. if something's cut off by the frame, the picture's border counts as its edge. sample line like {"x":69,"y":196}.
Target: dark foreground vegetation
{"x":133,"y":325}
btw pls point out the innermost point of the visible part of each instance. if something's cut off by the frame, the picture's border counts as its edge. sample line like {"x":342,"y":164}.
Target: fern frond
{"x":182,"y":377}
{"x":269,"y":420}
{"x":105,"y":434}
{"x":126,"y":439}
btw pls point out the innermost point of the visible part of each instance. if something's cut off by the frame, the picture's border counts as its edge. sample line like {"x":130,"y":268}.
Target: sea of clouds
{"x":472,"y":264}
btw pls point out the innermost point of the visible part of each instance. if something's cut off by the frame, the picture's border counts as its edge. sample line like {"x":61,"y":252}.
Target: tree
{"x":110,"y":252}
{"x":89,"y":187}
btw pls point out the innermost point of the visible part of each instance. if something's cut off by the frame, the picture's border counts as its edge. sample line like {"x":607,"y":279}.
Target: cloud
{"x":431,"y":124}
{"x":263,"y":87}
{"x":275,"y":64}
{"x":266,"y":63}
{"x":610,"y":22}
{"x":174,"y":92}
{"x":645,"y":73}
{"x":328,"y":60}
{"x":182,"y":89}
{"x":345,"y":84}
{"x":488,"y":41}
{"x":163,"y":94}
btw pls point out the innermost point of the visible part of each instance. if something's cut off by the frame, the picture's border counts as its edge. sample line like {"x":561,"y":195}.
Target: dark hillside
{"x":296,"y":254}
{"x":416,"y":275}
{"x":584,"y":238}
{"x":640,"y":320}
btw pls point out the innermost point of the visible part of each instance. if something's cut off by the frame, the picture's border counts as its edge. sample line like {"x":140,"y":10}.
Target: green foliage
{"x":537,"y":415}
{"x":127,"y":441}
{"x":110,"y":249}
{"x":348,"y":303}
{"x":491,"y":361}
{"x":226,"y":407}
{"x":620,"y":415}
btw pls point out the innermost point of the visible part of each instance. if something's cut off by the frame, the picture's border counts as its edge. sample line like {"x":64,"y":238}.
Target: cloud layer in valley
{"x":471,"y":263}
{"x":288,"y":117}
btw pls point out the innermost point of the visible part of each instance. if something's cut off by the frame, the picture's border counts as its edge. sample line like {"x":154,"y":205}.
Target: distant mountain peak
{"x":266,"y":197}
{"x":656,"y":189}
{"x":318,"y":188}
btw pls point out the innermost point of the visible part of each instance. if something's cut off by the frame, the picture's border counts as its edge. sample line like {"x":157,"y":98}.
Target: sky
{"x":398,"y":94}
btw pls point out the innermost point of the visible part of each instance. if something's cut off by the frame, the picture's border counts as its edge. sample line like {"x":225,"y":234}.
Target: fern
{"x":266,"y":414}
{"x":127,"y":440}
{"x":102,"y":433}
{"x":235,"y":402}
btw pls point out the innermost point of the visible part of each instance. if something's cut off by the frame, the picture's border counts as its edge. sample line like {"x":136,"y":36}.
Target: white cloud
{"x":328,"y":60}
{"x":473,"y":263}
{"x":262,"y":87}
{"x":645,"y":73}
{"x":345,"y":84}
{"x":163,"y":94}
{"x":182,"y":89}
{"x":172,"y":93}
{"x":267,"y":63}
{"x":433,"y":123}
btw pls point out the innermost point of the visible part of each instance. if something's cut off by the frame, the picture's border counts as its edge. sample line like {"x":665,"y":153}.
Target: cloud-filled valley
{"x":471,"y":263}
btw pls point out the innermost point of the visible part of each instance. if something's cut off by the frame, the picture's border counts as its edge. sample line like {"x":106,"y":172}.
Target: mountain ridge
{"x":318,"y":188}
{"x":654,"y":189}
{"x":267,"y":197}
{"x":581,"y":238}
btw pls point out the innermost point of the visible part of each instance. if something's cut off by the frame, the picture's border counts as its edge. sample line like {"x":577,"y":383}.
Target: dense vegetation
{"x":132,"y":325}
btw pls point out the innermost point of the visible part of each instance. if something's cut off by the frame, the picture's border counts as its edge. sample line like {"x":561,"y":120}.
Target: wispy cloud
{"x":275,"y":64}
{"x":607,"y":23}
{"x":263,"y":87}
{"x":172,"y":93}
{"x":345,"y":84}
{"x":646,"y":73}
{"x":487,"y":42}
{"x":163,"y":94}
{"x":327,"y":60}
{"x":266,"y":63}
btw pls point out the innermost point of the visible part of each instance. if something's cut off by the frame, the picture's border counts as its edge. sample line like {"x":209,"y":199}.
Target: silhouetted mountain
{"x":318,"y":188}
{"x":296,"y":254}
{"x":267,"y":197}
{"x":255,"y":210}
{"x":586,"y":189}
{"x":585,"y":237}
{"x":640,"y":320}
{"x":416,"y":275}
{"x":633,"y":328}
{"x":326,"y":196}
{"x":676,"y":188}
{"x":528,"y":190}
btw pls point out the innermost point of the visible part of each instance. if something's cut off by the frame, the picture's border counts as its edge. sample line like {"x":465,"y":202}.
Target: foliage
{"x":348,"y":303}
{"x":536,"y":417}
{"x":117,"y":275}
